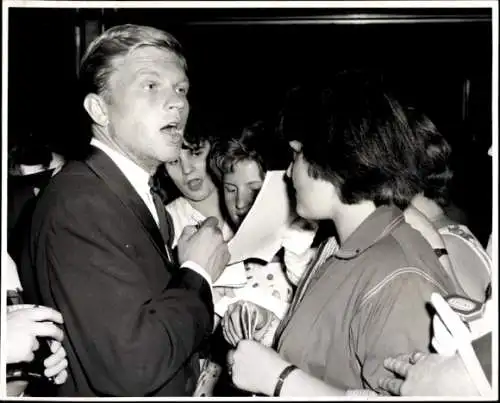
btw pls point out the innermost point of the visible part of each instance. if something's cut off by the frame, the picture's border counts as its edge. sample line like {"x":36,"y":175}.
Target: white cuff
{"x":200,"y":270}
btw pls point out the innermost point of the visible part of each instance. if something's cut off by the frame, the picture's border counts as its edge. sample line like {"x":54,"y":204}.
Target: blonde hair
{"x":96,"y":64}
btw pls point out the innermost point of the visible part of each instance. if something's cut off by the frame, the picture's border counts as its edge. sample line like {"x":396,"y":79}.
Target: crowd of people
{"x":119,"y":259}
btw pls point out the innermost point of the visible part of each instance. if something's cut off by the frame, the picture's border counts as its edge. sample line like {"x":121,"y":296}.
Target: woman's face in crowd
{"x":189,"y":173}
{"x":316,"y":198}
{"x":241,"y":188}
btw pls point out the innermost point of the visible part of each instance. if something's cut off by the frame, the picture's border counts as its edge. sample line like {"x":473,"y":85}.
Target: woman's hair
{"x":433,"y":166}
{"x":297,"y":116}
{"x":197,"y":134}
{"x":359,"y":138}
{"x":256,"y":142}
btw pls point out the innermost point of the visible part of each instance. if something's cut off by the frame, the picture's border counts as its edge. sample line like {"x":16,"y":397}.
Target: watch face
{"x":466,"y":308}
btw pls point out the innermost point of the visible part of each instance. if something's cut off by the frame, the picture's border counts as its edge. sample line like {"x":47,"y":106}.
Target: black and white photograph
{"x":235,"y":199}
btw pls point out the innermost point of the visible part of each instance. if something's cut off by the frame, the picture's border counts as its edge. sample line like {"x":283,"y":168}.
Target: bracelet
{"x":281,"y":379}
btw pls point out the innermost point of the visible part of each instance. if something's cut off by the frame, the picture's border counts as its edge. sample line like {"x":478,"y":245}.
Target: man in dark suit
{"x":134,"y":319}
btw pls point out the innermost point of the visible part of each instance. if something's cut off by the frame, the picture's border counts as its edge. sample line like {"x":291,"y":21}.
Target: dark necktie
{"x":162,"y":220}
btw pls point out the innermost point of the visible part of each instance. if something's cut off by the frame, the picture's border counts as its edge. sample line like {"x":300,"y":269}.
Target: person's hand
{"x":425,"y":374}
{"x":244,"y":320}
{"x":204,"y":246}
{"x":254,"y":367}
{"x":56,"y":364}
{"x":24,"y":324}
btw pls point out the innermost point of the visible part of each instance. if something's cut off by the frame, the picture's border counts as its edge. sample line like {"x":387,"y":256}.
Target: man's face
{"x":148,"y":107}
{"x":189,"y":173}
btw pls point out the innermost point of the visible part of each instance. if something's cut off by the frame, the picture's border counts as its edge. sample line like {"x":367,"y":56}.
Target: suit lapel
{"x":107,"y":170}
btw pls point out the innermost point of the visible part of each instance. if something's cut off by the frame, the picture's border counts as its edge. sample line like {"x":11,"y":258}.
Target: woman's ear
{"x":96,"y":108}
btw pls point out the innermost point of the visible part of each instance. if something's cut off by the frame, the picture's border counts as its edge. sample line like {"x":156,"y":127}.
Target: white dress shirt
{"x":183,"y":214}
{"x":139,"y":179}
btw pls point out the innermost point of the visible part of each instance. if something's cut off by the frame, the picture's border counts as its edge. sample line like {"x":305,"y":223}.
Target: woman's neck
{"x":350,"y":218}
{"x":427,"y":207}
{"x":209,"y":206}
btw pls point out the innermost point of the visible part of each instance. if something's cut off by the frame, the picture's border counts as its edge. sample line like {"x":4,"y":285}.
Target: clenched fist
{"x":204,"y":246}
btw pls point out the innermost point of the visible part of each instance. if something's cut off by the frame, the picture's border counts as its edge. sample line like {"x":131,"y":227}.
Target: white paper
{"x":233,"y":276}
{"x":260,"y":233}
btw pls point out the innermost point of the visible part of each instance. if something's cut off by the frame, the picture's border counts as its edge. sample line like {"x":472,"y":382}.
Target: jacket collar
{"x":104,"y":167}
{"x":376,"y":226}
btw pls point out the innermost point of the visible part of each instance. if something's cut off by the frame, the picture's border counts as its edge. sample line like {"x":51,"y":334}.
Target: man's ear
{"x":96,"y":108}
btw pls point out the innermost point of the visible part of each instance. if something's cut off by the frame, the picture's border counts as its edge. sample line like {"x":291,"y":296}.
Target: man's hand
{"x":205,"y":247}
{"x":424,"y":374}
{"x":24,"y":324}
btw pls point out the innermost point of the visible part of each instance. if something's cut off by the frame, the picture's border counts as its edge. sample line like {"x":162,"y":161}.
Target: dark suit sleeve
{"x":130,"y":339}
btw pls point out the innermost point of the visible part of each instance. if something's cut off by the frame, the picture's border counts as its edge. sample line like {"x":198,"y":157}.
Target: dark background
{"x":242,"y":62}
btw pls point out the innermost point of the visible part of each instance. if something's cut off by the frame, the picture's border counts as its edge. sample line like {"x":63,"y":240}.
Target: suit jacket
{"x":133,"y":320}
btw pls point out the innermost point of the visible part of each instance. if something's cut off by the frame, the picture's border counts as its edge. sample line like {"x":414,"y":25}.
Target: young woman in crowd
{"x":187,"y":184}
{"x":302,"y":102}
{"x":470,"y":264}
{"x":367,"y":300}
{"x":241,"y":163}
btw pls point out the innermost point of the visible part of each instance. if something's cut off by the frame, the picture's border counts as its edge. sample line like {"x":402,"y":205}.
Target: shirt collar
{"x":32,"y":169}
{"x":136,"y":175}
{"x":378,"y":224}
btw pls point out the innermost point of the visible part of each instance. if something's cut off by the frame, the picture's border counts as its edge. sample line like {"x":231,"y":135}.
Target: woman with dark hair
{"x":301,"y":103}
{"x":366,"y":300}
{"x":187,"y":185}
{"x":470,"y":264}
